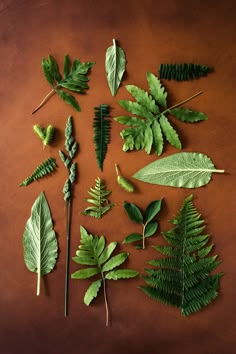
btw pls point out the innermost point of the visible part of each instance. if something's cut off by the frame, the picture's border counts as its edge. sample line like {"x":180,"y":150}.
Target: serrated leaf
{"x":152,"y":210}
{"x":136,"y":108}
{"x":47,"y":72}
{"x":143,"y":98}
{"x":115,"y":66}
{"x":92,"y":292}
{"x":107,"y":252}
{"x":150,"y":229}
{"x":148,"y":139}
{"x":69,"y":99}
{"x":130,"y":121}
{"x":85,"y":273}
{"x":169,"y":132}
{"x":187,"y":115}
{"x":133,"y":212}
{"x":115,"y":261}
{"x":67,"y":65}
{"x":121,"y":274}
{"x":157,"y":137}
{"x":157,"y":90}
{"x":132,"y":238}
{"x":185,"y":169}
{"x":39,"y":240}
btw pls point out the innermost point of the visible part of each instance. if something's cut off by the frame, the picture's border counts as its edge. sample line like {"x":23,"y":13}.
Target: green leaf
{"x":187,"y":115}
{"x":130,"y":121}
{"x":185,"y":169}
{"x":46,"y":168}
{"x":143,"y":98}
{"x":157,"y":90}
{"x":152,"y":210}
{"x":69,"y":99}
{"x":92,"y":292}
{"x":157,"y":137}
{"x":150,"y":229}
{"x":136,"y":108}
{"x":54,"y":68}
{"x":47,"y":72}
{"x":132,"y":238}
{"x":133,"y":212}
{"x":39,"y":240}
{"x":169,"y":132}
{"x":67,"y":65}
{"x":85,"y":273}
{"x":183,"y":71}
{"x":121,"y":274}
{"x":148,"y":139}
{"x":107,"y":252}
{"x":115,"y":66}
{"x":115,"y":261}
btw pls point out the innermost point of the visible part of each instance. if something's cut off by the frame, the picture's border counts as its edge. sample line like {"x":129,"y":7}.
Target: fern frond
{"x":101,"y":127}
{"x":183,"y":72}
{"x":100,"y":204}
{"x":45,"y":168}
{"x":183,"y":278}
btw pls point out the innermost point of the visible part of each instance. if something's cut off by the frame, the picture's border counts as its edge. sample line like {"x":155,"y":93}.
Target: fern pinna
{"x":92,"y":252}
{"x":183,"y":278}
{"x":45,"y":168}
{"x":183,"y":72}
{"x":151,"y":126}
{"x":101,"y":126}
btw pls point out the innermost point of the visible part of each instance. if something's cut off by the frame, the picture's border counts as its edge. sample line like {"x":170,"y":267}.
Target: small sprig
{"x":149,"y":226}
{"x":124,"y":182}
{"x":45,"y":168}
{"x":45,"y":134}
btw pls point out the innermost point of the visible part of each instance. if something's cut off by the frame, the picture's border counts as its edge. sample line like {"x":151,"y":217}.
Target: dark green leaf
{"x":47,"y":72}
{"x":152,"y":210}
{"x":150,"y":229}
{"x":67,"y":65}
{"x":54,"y":68}
{"x":69,"y":99}
{"x":134,"y":212}
{"x":132,"y":238}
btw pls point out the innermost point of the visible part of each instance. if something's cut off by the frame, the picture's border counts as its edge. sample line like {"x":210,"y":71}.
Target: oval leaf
{"x":150,"y":229}
{"x":152,"y":210}
{"x":121,"y":274}
{"x":115,"y":261}
{"x":85,"y":273}
{"x":115,"y":66}
{"x":185,"y":169}
{"x":132,"y":238}
{"x":133,"y":212}
{"x":92,"y":291}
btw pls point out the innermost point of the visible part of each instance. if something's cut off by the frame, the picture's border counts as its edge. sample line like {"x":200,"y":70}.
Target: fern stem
{"x":180,"y":103}
{"x":68,"y":231}
{"x":105,"y":299}
{"x":46,"y":98}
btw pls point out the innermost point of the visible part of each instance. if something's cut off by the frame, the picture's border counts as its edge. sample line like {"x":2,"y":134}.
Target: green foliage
{"x":183,"y":279}
{"x":71,"y":147}
{"x":45,"y":134}
{"x":39,"y":240}
{"x":183,"y":72}
{"x":185,"y":169}
{"x":74,"y":79}
{"x":149,"y":226}
{"x":101,"y":127}
{"x":151,"y":126}
{"x":44,"y":169}
{"x":99,"y":201}
{"x":124,"y":182}
{"x":93,"y":252}
{"x":115,"y":66}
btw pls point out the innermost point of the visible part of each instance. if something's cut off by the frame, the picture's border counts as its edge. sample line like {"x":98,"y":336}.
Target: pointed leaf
{"x":150,"y":229}
{"x":132,"y":238}
{"x":107,"y":252}
{"x":47,"y":72}
{"x":121,"y":274}
{"x":157,"y":90}
{"x":157,"y":137}
{"x":130,"y":121}
{"x":143,"y":98}
{"x":148,"y":139}
{"x":92,"y":291}
{"x":67,"y":64}
{"x":185,"y":169}
{"x":115,"y":261}
{"x":69,"y":99}
{"x":115,"y":66}
{"x":134,"y":212}
{"x":169,"y":132}
{"x":187,"y":115}
{"x":85,"y":273}
{"x":136,"y":108}
{"x":152,"y":210}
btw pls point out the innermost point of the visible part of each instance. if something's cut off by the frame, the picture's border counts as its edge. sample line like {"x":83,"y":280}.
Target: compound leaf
{"x":169,"y":132}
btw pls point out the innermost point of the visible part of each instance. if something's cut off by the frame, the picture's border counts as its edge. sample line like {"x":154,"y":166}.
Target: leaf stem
{"x":68,"y":230}
{"x":105,"y":299}
{"x":38,"y":282}
{"x":117,"y":169}
{"x":46,"y":98}
{"x":144,"y":226}
{"x":180,"y":103}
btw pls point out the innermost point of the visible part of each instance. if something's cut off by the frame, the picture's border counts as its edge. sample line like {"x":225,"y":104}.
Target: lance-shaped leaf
{"x":185,"y":169}
{"x":187,"y":115}
{"x":115,"y":66}
{"x":39,"y":240}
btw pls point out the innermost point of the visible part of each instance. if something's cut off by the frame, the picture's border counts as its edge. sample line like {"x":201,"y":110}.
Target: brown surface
{"x":150,"y":32}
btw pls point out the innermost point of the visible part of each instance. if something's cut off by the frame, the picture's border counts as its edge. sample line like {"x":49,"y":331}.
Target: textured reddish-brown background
{"x":150,"y":32}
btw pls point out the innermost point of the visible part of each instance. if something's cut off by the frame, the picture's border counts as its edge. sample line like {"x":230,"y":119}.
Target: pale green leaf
{"x":152,"y":210}
{"x":187,"y":115}
{"x":85,"y":273}
{"x":132,"y":238}
{"x":134,"y":212}
{"x":39,"y":240}
{"x":148,"y":139}
{"x":107,"y":252}
{"x":115,"y":66}
{"x":121,"y":274}
{"x":143,"y":98}
{"x":157,"y":90}
{"x":157,"y":137}
{"x":185,"y":169}
{"x":115,"y":261}
{"x":169,"y":132}
{"x":136,"y":108}
{"x":92,"y":292}
{"x":130,"y":121}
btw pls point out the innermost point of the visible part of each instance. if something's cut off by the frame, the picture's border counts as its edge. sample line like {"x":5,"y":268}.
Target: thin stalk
{"x":117,"y":169}
{"x":180,"y":103}
{"x":46,"y":98}
{"x":144,"y":226}
{"x":105,"y":299}
{"x":38,"y":282}
{"x":68,"y":230}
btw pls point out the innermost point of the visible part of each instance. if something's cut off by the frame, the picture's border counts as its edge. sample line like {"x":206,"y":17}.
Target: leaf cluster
{"x":44,"y":169}
{"x":45,"y":134}
{"x":99,"y":201}
{"x":183,"y":72}
{"x":101,"y":127}
{"x":151,"y":125}
{"x":183,"y":278}
{"x":149,"y":225}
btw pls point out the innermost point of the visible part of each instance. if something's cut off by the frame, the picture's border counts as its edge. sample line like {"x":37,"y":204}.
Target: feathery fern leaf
{"x":93,"y":252}
{"x":45,"y":168}
{"x":99,"y":201}
{"x":183,"y":72}
{"x":183,"y":278}
{"x":101,"y":126}
{"x":151,"y":126}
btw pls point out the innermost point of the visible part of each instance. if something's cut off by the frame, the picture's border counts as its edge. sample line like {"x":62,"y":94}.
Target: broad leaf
{"x":107,"y":252}
{"x":115,"y":261}
{"x":134,"y":212}
{"x":150,"y":229}
{"x":143,"y":98}
{"x":157,"y":90}
{"x":39,"y":240}
{"x":121,"y":274}
{"x":187,"y":115}
{"x":132,"y":238}
{"x":169,"y":132}
{"x":92,"y":292}
{"x":185,"y":169}
{"x":152,"y":210}
{"x":115,"y":66}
